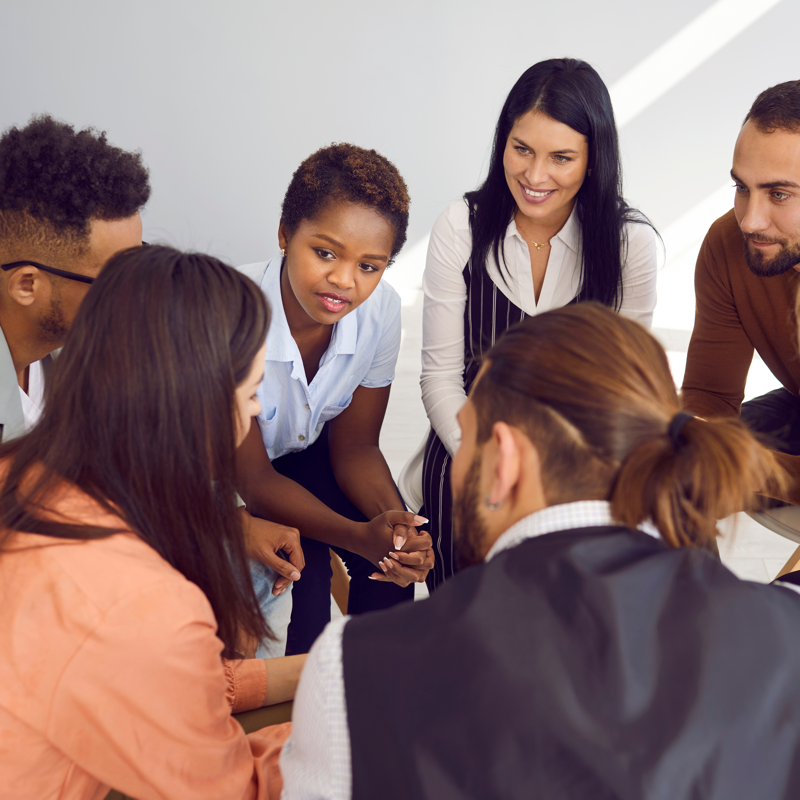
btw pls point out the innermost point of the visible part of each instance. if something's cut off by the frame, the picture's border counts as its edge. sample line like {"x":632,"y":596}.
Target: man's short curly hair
{"x":54,"y":181}
{"x":344,"y":172}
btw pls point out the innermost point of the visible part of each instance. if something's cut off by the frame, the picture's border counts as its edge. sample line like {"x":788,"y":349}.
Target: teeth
{"x":531,"y":193}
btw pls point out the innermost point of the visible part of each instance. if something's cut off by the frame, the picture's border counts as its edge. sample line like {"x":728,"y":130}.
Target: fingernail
{"x":399,"y":541}
{"x":418,"y":520}
{"x":389,"y":562}
{"x":382,"y":565}
{"x":295,"y":576}
{"x":372,"y":577}
{"x":394,"y":556}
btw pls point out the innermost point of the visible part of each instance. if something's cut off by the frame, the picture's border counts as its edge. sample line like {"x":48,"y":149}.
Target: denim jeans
{"x":277,"y":610}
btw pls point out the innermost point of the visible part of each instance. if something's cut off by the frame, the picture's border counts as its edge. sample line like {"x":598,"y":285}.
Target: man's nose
{"x":756,"y":217}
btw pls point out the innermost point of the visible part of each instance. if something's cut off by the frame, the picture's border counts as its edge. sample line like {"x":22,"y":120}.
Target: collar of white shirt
{"x":570,"y":234}
{"x":281,"y":345}
{"x":563,"y":517}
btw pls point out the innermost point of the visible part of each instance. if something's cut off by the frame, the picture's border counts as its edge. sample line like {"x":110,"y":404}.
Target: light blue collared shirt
{"x":362,"y":352}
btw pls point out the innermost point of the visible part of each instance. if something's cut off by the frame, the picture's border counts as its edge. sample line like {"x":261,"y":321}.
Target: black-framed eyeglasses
{"x":62,"y":273}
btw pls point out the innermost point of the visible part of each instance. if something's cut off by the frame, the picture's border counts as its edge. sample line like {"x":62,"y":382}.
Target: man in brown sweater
{"x":746,"y":283}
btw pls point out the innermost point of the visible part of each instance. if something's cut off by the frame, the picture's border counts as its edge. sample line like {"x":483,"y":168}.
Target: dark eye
{"x":740,"y":188}
{"x":324,"y":254}
{"x":368,"y":268}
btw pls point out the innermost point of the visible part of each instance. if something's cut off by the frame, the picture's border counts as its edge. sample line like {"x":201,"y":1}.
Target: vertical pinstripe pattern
{"x":494,"y":313}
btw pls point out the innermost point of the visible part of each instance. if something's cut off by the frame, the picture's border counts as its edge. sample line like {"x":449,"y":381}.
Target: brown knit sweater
{"x":736,"y":312}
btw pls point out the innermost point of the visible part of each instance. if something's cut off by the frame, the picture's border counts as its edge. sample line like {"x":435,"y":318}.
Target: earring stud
{"x":492,"y":506}
{"x":283,"y":252}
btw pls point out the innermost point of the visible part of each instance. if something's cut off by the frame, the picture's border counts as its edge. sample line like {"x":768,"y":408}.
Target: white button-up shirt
{"x":315,"y":761}
{"x":362,"y":352}
{"x":445,"y":294}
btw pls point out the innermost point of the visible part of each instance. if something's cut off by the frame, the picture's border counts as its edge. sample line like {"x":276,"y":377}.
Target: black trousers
{"x":311,"y":595}
{"x":776,"y":416}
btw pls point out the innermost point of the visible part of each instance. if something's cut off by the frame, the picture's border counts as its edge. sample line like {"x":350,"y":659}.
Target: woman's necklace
{"x":537,"y":245}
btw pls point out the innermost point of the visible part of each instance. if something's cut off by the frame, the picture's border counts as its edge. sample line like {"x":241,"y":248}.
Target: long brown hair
{"x":594,"y":392}
{"x":140,"y":415}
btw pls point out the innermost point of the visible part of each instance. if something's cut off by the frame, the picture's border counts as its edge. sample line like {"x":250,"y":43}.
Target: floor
{"x":748,"y":549}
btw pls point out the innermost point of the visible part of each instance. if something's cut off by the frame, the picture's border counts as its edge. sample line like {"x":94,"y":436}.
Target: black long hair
{"x":569,"y":91}
{"x":140,"y":415}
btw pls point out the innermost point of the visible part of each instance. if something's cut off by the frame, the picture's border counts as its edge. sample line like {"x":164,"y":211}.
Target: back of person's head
{"x":55,"y":180}
{"x":349,"y":174}
{"x":777,"y":108}
{"x":571,"y":92}
{"x":593,"y":392}
{"x":140,"y":414}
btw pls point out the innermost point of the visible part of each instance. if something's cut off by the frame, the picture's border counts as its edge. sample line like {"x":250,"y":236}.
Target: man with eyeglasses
{"x":69,"y":200}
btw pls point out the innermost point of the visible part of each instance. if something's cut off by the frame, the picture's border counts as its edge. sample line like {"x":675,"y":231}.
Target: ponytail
{"x":594,"y":392}
{"x":684,"y":484}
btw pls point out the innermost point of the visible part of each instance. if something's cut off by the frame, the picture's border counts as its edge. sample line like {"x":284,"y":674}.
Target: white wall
{"x":225,"y":99}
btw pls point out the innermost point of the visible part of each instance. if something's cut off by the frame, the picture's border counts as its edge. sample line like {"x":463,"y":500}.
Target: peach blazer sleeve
{"x":142,"y":706}
{"x":247,"y":683}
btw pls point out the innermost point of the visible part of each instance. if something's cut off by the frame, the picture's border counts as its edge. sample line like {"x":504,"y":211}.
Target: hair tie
{"x":675,"y":430}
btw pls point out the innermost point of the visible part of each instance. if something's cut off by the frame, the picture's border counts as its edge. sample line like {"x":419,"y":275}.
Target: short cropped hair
{"x":55,"y":180}
{"x":352,"y":174}
{"x":777,"y":108}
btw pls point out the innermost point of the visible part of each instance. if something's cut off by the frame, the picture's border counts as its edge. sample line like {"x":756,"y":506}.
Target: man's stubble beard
{"x":786,"y":258}
{"x":469,"y":529}
{"x":53,"y":323}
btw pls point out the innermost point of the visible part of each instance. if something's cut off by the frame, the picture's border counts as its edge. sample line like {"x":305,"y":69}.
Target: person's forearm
{"x":706,"y":404}
{"x":272,"y":496}
{"x":283,"y":675}
{"x":364,"y":476}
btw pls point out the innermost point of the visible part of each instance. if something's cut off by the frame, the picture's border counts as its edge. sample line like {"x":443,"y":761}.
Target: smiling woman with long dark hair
{"x":549,"y":226}
{"x":123,"y":574}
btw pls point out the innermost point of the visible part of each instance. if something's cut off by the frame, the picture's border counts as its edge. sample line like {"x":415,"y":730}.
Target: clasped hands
{"x":404,"y":555}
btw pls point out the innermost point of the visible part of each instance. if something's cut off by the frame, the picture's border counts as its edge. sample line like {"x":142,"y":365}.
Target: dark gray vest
{"x":587,"y":664}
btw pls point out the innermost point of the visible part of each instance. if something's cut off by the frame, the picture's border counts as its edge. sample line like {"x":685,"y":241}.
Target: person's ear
{"x":24,"y":285}
{"x":283,"y":236}
{"x":507,"y":464}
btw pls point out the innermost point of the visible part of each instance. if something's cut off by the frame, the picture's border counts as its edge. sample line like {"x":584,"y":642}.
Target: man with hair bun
{"x":590,"y":647}
{"x":746,"y":281}
{"x":69,"y":200}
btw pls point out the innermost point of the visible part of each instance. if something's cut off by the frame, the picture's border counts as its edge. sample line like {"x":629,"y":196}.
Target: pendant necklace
{"x":537,"y":245}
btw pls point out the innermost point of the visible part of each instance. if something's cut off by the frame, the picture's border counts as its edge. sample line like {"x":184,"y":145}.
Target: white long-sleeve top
{"x":445,"y":297}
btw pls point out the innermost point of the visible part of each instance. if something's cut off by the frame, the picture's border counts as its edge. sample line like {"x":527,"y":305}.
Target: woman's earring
{"x":283,"y":252}
{"x":588,"y":173}
{"x":492,"y":506}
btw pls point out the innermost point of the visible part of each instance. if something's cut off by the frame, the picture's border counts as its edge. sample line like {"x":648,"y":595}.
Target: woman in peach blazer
{"x":123,"y":575}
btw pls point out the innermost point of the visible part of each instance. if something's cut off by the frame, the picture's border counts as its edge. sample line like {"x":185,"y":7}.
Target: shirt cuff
{"x":247,"y":683}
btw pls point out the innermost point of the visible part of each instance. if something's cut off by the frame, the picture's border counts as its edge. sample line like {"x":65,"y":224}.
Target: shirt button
{"x":308,"y":407}
{"x":301,"y":437}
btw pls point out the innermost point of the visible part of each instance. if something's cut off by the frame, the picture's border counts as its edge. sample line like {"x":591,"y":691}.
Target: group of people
{"x":187,"y":445}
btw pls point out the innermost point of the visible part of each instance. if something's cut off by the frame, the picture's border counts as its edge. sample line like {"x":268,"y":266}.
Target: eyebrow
{"x":340,"y":245}
{"x":783,"y":184}
{"x":552,"y":152}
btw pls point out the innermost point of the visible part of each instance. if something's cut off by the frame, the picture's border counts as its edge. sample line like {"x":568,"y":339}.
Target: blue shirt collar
{"x":281,"y":345}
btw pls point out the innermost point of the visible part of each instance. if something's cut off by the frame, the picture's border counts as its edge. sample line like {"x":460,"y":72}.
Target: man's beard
{"x":786,"y":258}
{"x":469,"y":530}
{"x":53,"y":324}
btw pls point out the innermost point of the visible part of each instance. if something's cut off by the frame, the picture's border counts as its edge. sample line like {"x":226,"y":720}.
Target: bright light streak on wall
{"x":683,"y":53}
